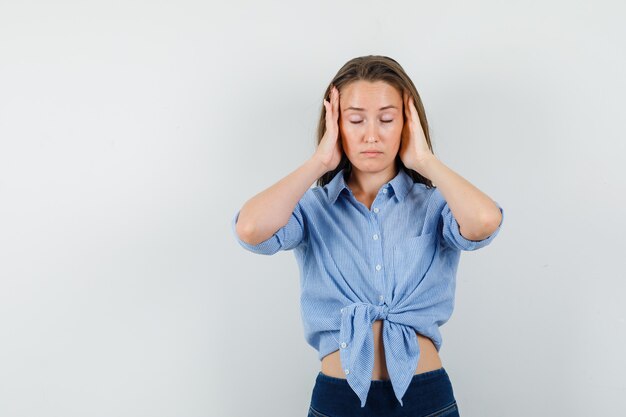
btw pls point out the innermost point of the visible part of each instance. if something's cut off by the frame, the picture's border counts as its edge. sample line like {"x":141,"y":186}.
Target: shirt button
{"x":347,"y":371}
{"x":343,"y":344}
{"x":375,"y":237}
{"x":375,"y":209}
{"x":378,"y":267}
{"x":381,"y":298}
{"x":384,"y":191}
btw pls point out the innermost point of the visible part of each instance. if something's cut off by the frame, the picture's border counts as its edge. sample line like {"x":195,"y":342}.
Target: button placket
{"x":378,"y":276}
{"x":378,"y":267}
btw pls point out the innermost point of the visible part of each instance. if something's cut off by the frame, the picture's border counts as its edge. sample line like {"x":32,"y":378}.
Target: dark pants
{"x":430,"y":394}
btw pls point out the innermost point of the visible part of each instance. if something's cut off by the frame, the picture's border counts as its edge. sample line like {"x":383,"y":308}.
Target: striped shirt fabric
{"x":395,"y":262}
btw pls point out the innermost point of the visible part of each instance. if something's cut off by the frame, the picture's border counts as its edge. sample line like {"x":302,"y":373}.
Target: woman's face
{"x":371,"y":118}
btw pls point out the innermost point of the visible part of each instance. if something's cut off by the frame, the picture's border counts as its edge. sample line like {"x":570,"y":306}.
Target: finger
{"x":414,"y":110}
{"x":407,"y":110}
{"x":329,"y":115}
{"x":336,"y":106}
{"x":410,"y":107}
{"x":406,"y":100}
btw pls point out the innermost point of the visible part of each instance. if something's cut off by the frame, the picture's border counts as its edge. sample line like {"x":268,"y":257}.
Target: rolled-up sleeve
{"x":287,"y":237}
{"x":452,"y":233}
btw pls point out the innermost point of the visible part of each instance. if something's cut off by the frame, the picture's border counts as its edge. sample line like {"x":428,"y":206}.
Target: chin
{"x":372,"y":166}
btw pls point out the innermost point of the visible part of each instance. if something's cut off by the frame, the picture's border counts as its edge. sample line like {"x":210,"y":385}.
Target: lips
{"x":372,"y":151}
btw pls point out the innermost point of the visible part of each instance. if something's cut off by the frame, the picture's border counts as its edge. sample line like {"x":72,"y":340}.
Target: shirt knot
{"x":383,"y":311}
{"x":357,"y":347}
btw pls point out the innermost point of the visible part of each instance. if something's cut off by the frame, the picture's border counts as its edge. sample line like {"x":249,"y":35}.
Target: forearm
{"x":265,"y":213}
{"x":477,"y":214}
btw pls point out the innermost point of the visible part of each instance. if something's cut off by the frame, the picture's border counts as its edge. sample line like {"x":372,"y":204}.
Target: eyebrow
{"x":362,"y":109}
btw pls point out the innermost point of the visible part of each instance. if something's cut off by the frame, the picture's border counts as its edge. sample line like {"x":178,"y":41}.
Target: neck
{"x":368,"y":183}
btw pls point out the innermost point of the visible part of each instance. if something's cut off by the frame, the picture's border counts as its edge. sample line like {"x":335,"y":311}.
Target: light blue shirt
{"x":396,"y":262}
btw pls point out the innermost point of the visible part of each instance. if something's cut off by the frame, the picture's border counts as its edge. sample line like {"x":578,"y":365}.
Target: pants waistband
{"x":383,"y":383}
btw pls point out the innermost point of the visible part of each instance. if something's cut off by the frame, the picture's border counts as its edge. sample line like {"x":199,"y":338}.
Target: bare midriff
{"x":429,"y":359}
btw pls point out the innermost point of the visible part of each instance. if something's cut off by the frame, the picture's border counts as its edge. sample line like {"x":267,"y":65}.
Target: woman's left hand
{"x":414,"y":149}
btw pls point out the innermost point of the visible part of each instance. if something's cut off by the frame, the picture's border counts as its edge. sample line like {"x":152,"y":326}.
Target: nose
{"x":371,"y":133}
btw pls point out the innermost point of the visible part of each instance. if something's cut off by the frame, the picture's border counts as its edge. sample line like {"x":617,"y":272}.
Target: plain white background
{"x":131,"y":132}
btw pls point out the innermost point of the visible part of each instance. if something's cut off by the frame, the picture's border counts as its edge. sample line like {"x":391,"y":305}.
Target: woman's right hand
{"x":329,"y":149}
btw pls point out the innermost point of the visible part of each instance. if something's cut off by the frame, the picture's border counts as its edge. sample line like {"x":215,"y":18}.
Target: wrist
{"x":425,"y":165}
{"x":319,"y":167}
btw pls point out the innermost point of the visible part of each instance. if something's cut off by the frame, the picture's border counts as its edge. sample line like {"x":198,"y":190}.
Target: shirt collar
{"x":401,"y":184}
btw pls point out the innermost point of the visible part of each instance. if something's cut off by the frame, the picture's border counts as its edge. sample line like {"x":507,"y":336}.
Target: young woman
{"x":377,"y":244}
